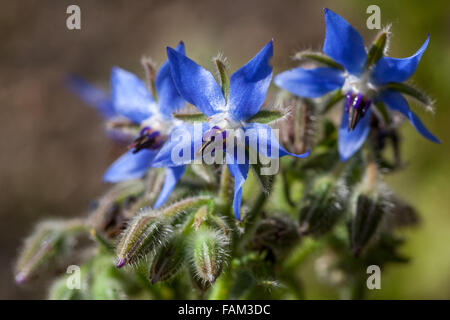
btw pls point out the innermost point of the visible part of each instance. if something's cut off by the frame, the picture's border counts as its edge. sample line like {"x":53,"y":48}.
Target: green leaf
{"x":318,"y":57}
{"x":410,"y":91}
{"x":191,"y":117}
{"x":266,"y":116}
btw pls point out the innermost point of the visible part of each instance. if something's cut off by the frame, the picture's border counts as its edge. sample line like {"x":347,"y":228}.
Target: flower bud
{"x":277,"y":233}
{"x":146,"y":232}
{"x":168,"y":260}
{"x":369,"y":204}
{"x":49,"y":240}
{"x":209,"y":252}
{"x":322,"y":206}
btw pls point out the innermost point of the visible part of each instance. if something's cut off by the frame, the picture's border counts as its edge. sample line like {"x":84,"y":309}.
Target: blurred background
{"x":54,"y":150}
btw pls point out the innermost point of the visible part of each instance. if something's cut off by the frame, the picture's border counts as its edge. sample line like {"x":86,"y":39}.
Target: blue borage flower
{"x":362,"y":84}
{"x":92,"y":96}
{"x":226,"y":114}
{"x":131,"y":99}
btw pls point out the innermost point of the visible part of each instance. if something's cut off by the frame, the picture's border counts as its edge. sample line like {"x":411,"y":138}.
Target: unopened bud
{"x":322,"y":206}
{"x":209,"y":252}
{"x":278,"y":233}
{"x":369,"y":204}
{"x":168,"y":260}
{"x":49,"y":239}
{"x":145,"y":233}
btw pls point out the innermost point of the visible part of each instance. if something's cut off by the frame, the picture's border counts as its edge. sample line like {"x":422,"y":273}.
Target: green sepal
{"x":191,"y":117}
{"x":383,"y":111}
{"x":266,"y":116}
{"x":376,"y":51}
{"x":318,"y":57}
{"x":331,"y":100}
{"x":224,"y":78}
{"x":410,"y":91}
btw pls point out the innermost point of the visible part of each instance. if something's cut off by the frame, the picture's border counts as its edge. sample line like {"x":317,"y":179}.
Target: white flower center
{"x":359,"y":85}
{"x":157,"y":122}
{"x":224,"y":121}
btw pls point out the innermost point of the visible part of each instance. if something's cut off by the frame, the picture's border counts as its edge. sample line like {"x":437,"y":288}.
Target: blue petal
{"x":343,"y":43}
{"x":182,"y":146}
{"x":311,"y":83}
{"x":248,"y":85}
{"x":130,"y":96}
{"x":195,"y":84}
{"x":173,"y":174}
{"x":349,"y":141}
{"x":130,"y":166}
{"x":239,"y":172}
{"x":261,"y":137}
{"x":92,"y":96}
{"x":396,"y":102}
{"x":169,"y":100}
{"x":397,"y":70}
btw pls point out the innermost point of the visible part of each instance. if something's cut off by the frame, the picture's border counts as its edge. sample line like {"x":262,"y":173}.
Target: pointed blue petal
{"x":169,"y":100}
{"x":182,"y":146}
{"x":248,"y":85}
{"x":195,"y":84}
{"x":349,"y":141}
{"x":130,"y":166}
{"x":239,"y":172}
{"x":262,"y":137}
{"x":310,"y":83}
{"x":396,"y":102}
{"x":130,"y":96}
{"x":173,"y":174}
{"x":343,"y":43}
{"x":92,"y":96}
{"x":397,"y":70}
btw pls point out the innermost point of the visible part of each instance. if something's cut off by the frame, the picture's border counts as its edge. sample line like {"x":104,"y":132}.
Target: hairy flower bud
{"x":49,"y":239}
{"x":145,"y":232}
{"x":209,"y":252}
{"x":276,"y":233}
{"x":369,"y":204}
{"x":168,"y":260}
{"x":322,"y":206}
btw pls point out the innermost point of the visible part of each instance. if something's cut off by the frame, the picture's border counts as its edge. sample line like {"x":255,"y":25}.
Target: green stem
{"x":221,"y":289}
{"x":226,"y":190}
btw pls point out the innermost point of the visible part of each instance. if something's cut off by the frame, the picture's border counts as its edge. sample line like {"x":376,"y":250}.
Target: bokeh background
{"x":54,"y":150}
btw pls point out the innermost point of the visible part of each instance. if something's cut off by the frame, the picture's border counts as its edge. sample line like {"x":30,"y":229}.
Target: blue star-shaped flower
{"x":362,"y":85}
{"x":227,"y":114}
{"x":131,"y":99}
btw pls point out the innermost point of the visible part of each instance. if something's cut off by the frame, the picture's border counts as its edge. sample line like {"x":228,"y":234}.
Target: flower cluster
{"x":182,"y":126}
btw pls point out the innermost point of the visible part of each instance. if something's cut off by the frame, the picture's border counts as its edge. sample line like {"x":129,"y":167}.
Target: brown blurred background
{"x":54,"y":150}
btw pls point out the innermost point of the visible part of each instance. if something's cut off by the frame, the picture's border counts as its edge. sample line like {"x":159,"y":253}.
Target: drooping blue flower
{"x":226,"y":115}
{"x":132,"y":100}
{"x":92,"y":96}
{"x":362,"y":84}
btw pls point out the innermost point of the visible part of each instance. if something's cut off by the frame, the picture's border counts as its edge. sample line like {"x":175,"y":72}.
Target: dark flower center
{"x":356,"y":105}
{"x":211,"y":136}
{"x":147,"y":139}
